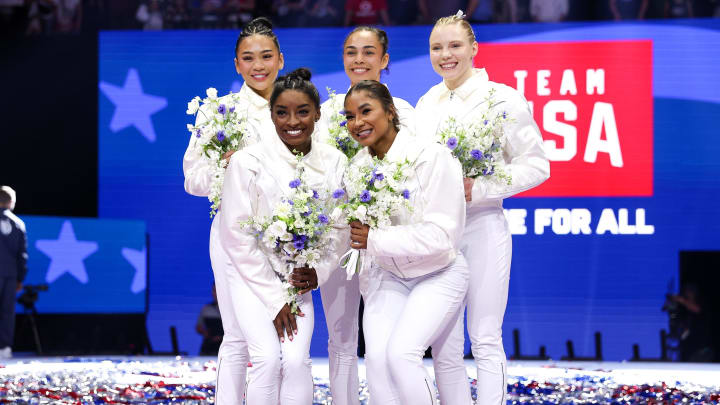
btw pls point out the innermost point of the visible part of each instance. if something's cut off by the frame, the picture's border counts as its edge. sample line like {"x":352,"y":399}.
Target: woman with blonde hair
{"x":486,"y":243}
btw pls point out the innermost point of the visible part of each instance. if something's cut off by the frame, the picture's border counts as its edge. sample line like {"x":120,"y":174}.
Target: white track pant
{"x":281,"y":372}
{"x":402,"y":318}
{"x":487,"y":246}
{"x":341,"y":303}
{"x":233,"y":354}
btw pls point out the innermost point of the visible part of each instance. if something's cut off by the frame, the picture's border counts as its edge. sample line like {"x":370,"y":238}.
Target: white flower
{"x":277,"y":229}
{"x":194,"y":105}
{"x":407,"y":171}
{"x":299,"y":223}
{"x":361,"y":213}
{"x":211,"y":93}
{"x":336,"y":214}
{"x":282,"y":210}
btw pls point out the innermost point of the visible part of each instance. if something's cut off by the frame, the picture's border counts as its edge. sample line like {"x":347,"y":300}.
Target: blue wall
{"x":89,"y":265}
{"x":562,"y":286}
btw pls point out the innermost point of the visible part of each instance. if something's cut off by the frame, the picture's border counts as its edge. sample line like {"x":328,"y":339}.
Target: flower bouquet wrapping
{"x":220,"y":130}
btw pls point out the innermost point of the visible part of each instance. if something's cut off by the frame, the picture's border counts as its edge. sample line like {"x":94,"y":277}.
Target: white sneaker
{"x":6,"y":353}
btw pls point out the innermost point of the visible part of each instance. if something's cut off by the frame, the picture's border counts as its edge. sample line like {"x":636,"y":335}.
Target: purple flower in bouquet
{"x":338,"y":193}
{"x":452,"y":143}
{"x":220,"y":135}
{"x":316,"y":195}
{"x":221,"y":109}
{"x":342,"y":124}
{"x":232,"y":109}
{"x":295,"y":183}
{"x":365,"y":196}
{"x":378,"y":176}
{"x":198,"y":133}
{"x":299,"y":241}
{"x":323,"y":218}
{"x":406,"y":194}
{"x":476,"y":154}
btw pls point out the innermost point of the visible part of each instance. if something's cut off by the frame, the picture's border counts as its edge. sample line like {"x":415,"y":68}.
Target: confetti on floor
{"x":153,"y":380}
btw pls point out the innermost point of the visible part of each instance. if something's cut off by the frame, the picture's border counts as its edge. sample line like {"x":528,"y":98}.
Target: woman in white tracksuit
{"x":258,"y":60}
{"x":417,"y":285}
{"x":257,"y":179}
{"x":486,"y":242}
{"x":364,"y":57}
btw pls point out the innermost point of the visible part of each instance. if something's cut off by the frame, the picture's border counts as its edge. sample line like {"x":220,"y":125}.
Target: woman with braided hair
{"x":258,"y":178}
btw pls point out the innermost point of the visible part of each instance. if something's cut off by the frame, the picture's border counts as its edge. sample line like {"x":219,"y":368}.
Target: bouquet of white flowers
{"x":297,"y":233}
{"x":221,"y":131}
{"x":339,"y":136}
{"x":478,"y":145}
{"x":375,"y":192}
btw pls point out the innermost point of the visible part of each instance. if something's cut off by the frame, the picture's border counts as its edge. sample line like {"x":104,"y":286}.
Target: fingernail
{"x":290,"y":337}
{"x":282,"y":340}
{"x":295,"y":331}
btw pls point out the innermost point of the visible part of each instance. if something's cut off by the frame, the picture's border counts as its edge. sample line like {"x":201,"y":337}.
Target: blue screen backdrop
{"x":89,"y":265}
{"x":562,"y":286}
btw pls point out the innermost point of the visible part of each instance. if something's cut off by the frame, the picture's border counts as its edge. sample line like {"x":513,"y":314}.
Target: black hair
{"x":381,"y":35}
{"x":258,"y":26}
{"x":5,"y":198}
{"x":379,"y":92}
{"x":298,"y":79}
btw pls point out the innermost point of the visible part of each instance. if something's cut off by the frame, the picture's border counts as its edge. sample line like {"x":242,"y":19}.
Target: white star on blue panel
{"x":132,"y":106}
{"x":66,"y":254}
{"x":137,"y":259}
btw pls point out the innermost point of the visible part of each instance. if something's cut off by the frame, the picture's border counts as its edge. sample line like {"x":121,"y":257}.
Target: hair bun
{"x":258,"y":24}
{"x":301,"y":73}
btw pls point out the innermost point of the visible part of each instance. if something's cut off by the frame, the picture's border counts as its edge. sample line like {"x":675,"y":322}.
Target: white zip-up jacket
{"x":427,"y":239}
{"x":406,"y":115}
{"x":256,"y":179}
{"x":196,"y":166}
{"x":523,"y":154}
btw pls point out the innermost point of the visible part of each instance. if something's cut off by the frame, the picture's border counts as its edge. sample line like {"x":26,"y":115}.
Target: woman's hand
{"x":285,"y":323}
{"x":468,"y":183}
{"x":358,"y":235}
{"x":227,"y":155}
{"x":304,"y":278}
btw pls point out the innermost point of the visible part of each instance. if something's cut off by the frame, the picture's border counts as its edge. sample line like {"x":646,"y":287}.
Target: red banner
{"x":593,"y":104}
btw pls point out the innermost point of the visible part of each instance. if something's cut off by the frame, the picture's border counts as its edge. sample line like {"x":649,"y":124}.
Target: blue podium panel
{"x":593,"y":250}
{"x":89,"y":265}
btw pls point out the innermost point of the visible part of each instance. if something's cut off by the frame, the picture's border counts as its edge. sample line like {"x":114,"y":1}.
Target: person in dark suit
{"x":13,"y":267}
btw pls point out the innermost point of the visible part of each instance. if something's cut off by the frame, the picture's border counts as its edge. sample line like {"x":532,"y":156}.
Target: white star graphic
{"x":138,"y":259}
{"x":132,"y":106}
{"x":66,"y":254}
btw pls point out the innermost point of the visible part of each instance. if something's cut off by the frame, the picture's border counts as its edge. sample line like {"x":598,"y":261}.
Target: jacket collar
{"x":398,"y":150}
{"x":279,"y":150}
{"x":478,"y":80}
{"x":249,"y":94}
